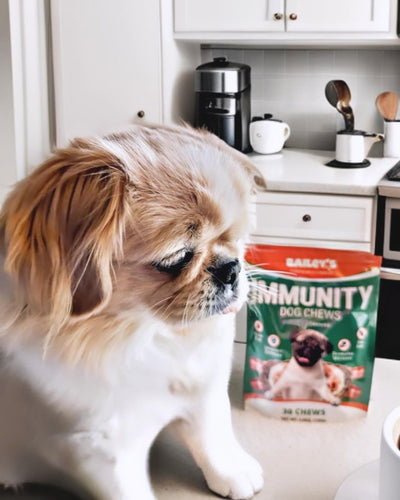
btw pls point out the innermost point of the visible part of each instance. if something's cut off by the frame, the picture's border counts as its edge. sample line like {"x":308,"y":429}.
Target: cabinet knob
{"x":293,"y":16}
{"x":278,"y":16}
{"x":306,"y":218}
{"x":141,"y":113}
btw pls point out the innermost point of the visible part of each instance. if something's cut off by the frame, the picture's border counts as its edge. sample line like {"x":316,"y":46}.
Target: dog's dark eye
{"x":174,"y":264}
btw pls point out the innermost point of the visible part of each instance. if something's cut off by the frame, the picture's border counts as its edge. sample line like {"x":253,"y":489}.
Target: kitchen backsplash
{"x":290,"y":84}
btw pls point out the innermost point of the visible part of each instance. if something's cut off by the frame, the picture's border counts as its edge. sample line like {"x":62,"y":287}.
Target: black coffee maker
{"x":223,"y":101}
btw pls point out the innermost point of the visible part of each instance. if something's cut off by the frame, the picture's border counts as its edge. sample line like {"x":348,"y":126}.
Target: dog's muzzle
{"x":226,"y":274}
{"x":225,"y":278}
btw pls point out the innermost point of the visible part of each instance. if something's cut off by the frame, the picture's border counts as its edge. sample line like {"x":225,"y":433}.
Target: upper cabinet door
{"x":229,"y":15}
{"x":107,"y":65}
{"x":337,"y":15}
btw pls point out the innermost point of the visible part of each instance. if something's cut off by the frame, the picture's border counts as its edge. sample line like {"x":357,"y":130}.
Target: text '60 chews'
{"x":311,"y":322}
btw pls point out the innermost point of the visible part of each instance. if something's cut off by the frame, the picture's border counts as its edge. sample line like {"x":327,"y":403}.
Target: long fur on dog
{"x":122,"y":268}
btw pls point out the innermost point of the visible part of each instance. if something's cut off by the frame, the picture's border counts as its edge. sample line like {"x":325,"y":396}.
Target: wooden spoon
{"x":387,"y":104}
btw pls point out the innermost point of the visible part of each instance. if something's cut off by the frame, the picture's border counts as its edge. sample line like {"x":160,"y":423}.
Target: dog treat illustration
{"x":304,"y":376}
{"x":338,"y":378}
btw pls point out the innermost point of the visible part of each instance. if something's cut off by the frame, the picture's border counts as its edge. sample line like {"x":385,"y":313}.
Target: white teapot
{"x":268,"y":135}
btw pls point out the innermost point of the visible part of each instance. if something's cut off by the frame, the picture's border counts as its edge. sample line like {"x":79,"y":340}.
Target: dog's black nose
{"x":226,"y":273}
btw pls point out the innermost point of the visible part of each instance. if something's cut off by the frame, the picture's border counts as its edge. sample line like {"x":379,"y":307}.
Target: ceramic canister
{"x":350,"y":147}
{"x":389,"y":468}
{"x":391,"y":144}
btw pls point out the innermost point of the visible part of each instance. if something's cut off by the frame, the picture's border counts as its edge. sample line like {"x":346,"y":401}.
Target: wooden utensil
{"x":387,"y":104}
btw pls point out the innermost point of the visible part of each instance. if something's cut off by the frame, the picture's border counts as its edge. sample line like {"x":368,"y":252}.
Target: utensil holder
{"x":391,"y":144}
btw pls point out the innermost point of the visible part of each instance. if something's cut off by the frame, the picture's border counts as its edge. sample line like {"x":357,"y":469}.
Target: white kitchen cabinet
{"x":107,"y":65}
{"x":228,"y":15}
{"x":308,"y":203}
{"x":225,"y":20}
{"x":337,"y":15}
{"x":314,"y":220}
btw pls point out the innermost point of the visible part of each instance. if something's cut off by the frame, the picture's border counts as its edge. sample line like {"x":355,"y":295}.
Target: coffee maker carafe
{"x":223,"y":101}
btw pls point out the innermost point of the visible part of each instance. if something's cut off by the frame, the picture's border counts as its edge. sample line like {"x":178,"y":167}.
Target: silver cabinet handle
{"x":306,"y":217}
{"x":141,"y":113}
{"x":278,"y":16}
{"x":293,"y":16}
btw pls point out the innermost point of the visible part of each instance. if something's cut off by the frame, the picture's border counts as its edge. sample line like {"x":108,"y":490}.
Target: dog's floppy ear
{"x":329,"y":347}
{"x":63,"y":227}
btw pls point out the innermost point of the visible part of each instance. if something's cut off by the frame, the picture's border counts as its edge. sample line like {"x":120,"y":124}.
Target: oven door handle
{"x":388,"y":273}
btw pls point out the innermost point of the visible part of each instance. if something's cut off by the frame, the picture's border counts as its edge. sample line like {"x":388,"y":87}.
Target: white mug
{"x":389,"y":467}
{"x":391,"y":144}
{"x":268,"y":136}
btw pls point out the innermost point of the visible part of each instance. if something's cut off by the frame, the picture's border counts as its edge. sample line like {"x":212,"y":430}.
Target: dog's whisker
{"x":185,"y":316}
{"x":153,"y":306}
{"x":265,"y":272}
{"x":160,"y":304}
{"x":168,"y":311}
{"x":262,"y":289}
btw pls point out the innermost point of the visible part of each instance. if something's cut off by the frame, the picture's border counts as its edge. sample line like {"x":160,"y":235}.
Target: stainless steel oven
{"x":387,"y":244}
{"x":388,"y":230}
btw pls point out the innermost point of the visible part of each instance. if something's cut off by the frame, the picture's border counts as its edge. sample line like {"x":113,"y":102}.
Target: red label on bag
{"x":306,"y":262}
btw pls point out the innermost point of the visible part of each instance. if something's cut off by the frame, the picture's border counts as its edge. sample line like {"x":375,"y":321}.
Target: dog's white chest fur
{"x":169,"y":362}
{"x":145,"y":386}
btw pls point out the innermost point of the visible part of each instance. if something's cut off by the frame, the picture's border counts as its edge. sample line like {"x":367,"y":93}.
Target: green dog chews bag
{"x":311,"y":324}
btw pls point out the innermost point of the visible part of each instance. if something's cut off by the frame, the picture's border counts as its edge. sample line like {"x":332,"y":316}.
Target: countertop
{"x":305,"y":170}
{"x":301,"y":461}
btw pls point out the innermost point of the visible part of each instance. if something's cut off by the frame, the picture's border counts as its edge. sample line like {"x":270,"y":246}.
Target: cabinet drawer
{"x":288,"y":215}
{"x":364,"y":246}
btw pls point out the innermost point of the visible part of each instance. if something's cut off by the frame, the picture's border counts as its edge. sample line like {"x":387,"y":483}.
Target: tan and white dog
{"x":122,"y":267}
{"x":304,"y":376}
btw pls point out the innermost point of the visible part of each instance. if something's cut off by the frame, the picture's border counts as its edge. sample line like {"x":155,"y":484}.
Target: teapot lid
{"x":267,"y":117}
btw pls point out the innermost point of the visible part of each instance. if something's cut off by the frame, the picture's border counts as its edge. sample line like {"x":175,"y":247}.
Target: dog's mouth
{"x":303,"y":361}
{"x":307,"y":356}
{"x":226,"y":306}
{"x":233,"y":308}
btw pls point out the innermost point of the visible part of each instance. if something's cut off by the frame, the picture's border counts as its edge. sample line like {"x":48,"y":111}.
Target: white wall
{"x":8,"y":165}
{"x":290,"y":84}
{"x":24,"y":102}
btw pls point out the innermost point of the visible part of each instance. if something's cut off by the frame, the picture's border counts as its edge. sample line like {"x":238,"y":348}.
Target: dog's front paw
{"x":238,"y":477}
{"x":269,"y":394}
